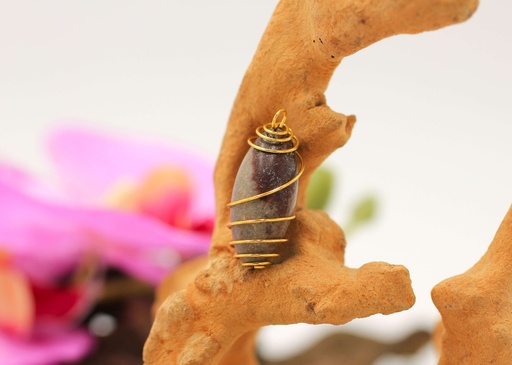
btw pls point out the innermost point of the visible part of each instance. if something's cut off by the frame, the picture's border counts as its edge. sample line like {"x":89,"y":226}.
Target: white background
{"x":433,"y":137}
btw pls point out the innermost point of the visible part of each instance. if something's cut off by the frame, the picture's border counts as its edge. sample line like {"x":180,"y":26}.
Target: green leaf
{"x":363,"y":212}
{"x":320,"y":188}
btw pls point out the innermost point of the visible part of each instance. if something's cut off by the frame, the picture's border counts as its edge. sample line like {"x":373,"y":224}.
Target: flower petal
{"x":140,"y":245}
{"x":36,"y":238}
{"x":16,"y":302}
{"x":49,"y":350}
{"x":92,"y":163}
{"x":19,"y":179}
{"x":48,"y":239}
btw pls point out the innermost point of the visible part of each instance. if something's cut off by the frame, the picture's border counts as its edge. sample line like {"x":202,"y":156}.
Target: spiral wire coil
{"x":278,"y":132}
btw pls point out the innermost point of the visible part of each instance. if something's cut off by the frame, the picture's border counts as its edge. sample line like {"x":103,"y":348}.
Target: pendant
{"x":265,"y":193}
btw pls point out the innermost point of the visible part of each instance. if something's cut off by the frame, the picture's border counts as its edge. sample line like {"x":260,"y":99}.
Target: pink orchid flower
{"x":37,"y":312}
{"x":164,"y":201}
{"x":31,"y":331}
{"x":137,"y":244}
{"x":174,"y":184}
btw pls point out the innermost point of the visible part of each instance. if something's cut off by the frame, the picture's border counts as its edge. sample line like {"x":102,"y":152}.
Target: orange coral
{"x":476,"y":307}
{"x":214,"y":319}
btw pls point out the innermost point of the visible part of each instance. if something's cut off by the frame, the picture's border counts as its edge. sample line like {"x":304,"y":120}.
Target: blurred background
{"x":432,"y":142}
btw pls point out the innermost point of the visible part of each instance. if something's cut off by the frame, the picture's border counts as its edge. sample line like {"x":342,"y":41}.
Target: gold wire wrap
{"x":276,"y":135}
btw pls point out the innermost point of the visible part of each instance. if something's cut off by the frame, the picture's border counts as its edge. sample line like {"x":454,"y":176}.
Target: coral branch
{"x":226,"y":303}
{"x":476,"y":307}
{"x":302,"y":46}
{"x":216,"y":309}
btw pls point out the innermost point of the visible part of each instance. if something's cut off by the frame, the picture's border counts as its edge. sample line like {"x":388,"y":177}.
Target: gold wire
{"x":257,"y":265}
{"x":277,"y":131}
{"x":261,"y":220}
{"x":269,"y":129}
{"x":283,"y":120}
{"x":273,"y":191}
{"x":256,"y":255}
{"x":263,"y":149}
{"x":258,"y":240}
